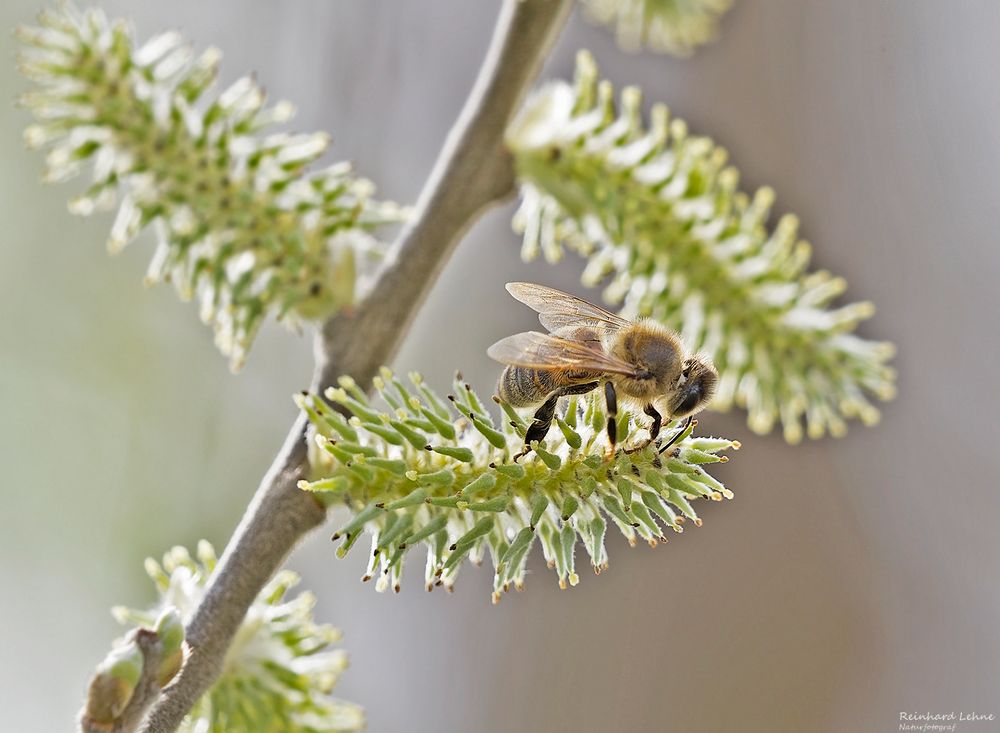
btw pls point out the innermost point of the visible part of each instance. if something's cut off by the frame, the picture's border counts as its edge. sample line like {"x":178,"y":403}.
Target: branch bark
{"x":98,"y":715}
{"x":149,"y":685}
{"x":472,"y":173}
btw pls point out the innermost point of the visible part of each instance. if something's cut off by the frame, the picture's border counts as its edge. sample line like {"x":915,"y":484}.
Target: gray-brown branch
{"x":473,"y":172}
{"x":148,"y":686}
{"x":102,"y":691}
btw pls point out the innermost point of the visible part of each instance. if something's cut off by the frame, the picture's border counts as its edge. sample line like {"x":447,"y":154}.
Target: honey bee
{"x":643,"y":362}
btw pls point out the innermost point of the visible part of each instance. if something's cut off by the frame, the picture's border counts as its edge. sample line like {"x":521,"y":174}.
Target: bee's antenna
{"x":676,"y":435}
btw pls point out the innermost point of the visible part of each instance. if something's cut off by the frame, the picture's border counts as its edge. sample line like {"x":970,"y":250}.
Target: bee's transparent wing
{"x":557,"y":309}
{"x":536,"y":350}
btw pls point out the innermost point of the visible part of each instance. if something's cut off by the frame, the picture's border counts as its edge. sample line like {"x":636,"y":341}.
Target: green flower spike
{"x":240,"y":222}
{"x":658,"y":211}
{"x":442,"y":473}
{"x":677,"y":27}
{"x":278,"y":673}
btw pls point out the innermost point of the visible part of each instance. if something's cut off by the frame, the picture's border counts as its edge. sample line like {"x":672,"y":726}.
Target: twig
{"x":147,"y":689}
{"x":149,"y":683}
{"x":473,"y":172}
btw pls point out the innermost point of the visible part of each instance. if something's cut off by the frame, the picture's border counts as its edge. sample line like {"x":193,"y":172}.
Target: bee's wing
{"x":557,"y":309}
{"x":536,"y":350}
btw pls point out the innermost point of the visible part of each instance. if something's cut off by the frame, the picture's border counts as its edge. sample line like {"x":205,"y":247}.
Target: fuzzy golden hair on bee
{"x":655,"y":351}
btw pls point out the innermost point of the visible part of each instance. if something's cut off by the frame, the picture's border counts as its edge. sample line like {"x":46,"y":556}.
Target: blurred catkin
{"x":657,"y":213}
{"x":277,"y":675}
{"x":239,"y":221}
{"x":676,"y":27}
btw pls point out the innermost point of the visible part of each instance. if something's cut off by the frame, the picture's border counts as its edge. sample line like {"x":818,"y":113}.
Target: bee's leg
{"x":540,"y":426}
{"x":578,"y":389}
{"x":544,"y":415}
{"x":654,"y":429}
{"x":678,"y":434}
{"x":612,"y":401}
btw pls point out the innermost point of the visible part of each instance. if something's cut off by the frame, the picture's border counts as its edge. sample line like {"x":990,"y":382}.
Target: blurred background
{"x":848,"y":581}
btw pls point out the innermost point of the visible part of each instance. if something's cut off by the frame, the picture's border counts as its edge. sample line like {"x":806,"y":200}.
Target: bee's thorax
{"x":654,"y":350}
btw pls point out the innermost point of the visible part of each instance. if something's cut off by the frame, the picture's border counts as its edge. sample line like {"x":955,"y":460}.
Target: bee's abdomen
{"x":523,"y":387}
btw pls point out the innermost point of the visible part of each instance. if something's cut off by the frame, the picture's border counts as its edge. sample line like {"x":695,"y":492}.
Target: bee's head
{"x":695,"y":387}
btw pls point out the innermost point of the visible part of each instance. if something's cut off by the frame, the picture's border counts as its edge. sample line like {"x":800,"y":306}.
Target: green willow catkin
{"x":658,"y":215}
{"x":280,"y":670}
{"x":424,"y":470}
{"x":240,"y":223}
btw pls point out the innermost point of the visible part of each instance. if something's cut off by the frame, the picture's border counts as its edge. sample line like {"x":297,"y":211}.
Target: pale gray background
{"x":848,"y":581}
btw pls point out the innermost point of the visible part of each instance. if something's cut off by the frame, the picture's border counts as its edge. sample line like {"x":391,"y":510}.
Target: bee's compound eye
{"x":697,"y":388}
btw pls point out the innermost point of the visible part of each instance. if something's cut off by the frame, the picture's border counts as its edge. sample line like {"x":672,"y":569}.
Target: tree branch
{"x":100,"y":713}
{"x":149,"y":685}
{"x":473,"y":172}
